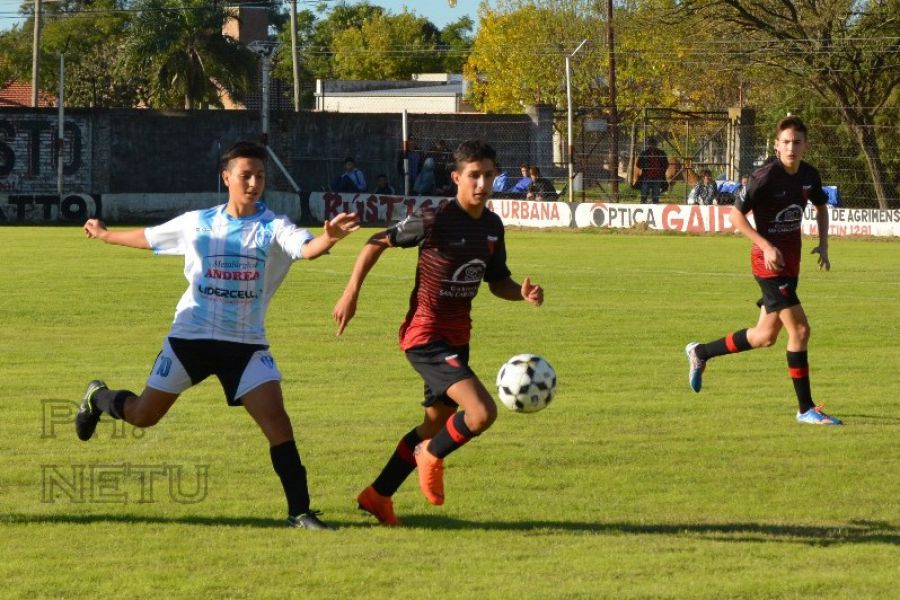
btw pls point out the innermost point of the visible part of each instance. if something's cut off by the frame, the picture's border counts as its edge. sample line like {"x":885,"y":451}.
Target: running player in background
{"x":236,"y":256}
{"x":777,"y":195}
{"x":460,"y":243}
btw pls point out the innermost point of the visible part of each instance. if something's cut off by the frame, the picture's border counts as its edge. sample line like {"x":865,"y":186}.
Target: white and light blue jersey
{"x":233,"y":267}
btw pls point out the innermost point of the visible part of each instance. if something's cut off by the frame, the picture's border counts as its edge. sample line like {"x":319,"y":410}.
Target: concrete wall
{"x":156,"y":152}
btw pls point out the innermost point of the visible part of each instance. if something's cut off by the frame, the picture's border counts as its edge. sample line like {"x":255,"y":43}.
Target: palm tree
{"x":179,"y":46}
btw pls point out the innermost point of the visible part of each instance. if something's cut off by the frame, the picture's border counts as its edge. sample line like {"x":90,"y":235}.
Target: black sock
{"x":112,"y":402}
{"x":399,"y":465}
{"x":292,"y":473}
{"x":798,"y":367}
{"x":454,"y":434}
{"x":730,"y":344}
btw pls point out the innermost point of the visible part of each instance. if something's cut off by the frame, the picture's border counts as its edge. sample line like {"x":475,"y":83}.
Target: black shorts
{"x":240,"y":368}
{"x":777,"y":293}
{"x":440,"y":365}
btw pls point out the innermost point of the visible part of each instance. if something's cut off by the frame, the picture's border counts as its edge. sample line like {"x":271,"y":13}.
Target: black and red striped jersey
{"x":456,"y":252}
{"x":777,"y":200}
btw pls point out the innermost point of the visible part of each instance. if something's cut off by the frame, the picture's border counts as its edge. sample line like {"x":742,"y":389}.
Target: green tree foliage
{"x":456,"y":43}
{"x":518,"y":55}
{"x":387,"y":47}
{"x":843,"y":51}
{"x":179,"y":45}
{"x":92,"y":37}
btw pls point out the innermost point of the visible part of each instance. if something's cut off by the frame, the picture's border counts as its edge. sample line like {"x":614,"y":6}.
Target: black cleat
{"x":87,"y":417}
{"x":308,"y":520}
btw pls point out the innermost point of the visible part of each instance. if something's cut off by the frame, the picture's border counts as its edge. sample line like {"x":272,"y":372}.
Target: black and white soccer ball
{"x":526,"y":383}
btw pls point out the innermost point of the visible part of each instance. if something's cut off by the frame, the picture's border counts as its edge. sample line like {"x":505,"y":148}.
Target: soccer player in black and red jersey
{"x":460,"y":244}
{"x":777,"y":195}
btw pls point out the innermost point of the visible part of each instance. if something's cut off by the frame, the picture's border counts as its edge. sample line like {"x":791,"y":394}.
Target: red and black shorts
{"x":440,"y":365}
{"x":777,"y":293}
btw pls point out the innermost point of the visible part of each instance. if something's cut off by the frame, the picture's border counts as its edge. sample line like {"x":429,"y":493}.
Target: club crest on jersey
{"x":263,"y":237}
{"x":453,"y":361}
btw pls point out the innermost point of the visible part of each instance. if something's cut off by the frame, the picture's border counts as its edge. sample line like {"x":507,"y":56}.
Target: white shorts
{"x":240,"y":368}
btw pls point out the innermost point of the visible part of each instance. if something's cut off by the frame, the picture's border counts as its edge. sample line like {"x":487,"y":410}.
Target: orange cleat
{"x":380,"y":507}
{"x":431,"y":474}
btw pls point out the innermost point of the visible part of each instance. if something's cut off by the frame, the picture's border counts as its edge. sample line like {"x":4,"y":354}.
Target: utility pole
{"x":613,"y":109}
{"x":35,"y":55}
{"x":294,"y":56}
{"x":60,"y":129}
{"x":571,"y":153}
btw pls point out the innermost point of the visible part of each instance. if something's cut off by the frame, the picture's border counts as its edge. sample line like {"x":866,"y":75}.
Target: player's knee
{"x":801,"y":332}
{"x":481,"y":419}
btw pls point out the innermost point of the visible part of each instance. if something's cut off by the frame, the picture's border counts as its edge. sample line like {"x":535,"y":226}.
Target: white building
{"x":425,"y":93}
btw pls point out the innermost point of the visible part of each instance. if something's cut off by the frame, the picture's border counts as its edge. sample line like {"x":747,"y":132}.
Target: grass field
{"x":628,"y":486}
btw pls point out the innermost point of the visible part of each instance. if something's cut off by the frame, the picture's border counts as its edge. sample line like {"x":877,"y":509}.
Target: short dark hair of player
{"x":791,"y":122}
{"x":472,"y":151}
{"x":243,"y":150}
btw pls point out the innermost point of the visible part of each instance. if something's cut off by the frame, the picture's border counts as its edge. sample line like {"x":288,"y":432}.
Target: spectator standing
{"x":653,"y":163}
{"x":425,"y":182}
{"x":415,"y":158}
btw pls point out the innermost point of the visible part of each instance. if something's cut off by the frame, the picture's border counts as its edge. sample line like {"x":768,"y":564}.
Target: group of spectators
{"x":529,"y":185}
{"x":428,"y":172}
{"x":653,"y":164}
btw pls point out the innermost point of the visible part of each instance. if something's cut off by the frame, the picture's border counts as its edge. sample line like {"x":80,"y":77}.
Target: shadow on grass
{"x":854,"y":532}
{"x":132,"y":519}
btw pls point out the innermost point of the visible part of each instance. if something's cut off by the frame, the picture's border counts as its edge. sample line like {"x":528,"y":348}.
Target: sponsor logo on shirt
{"x":232,"y":275}
{"x":208,"y":290}
{"x":787,"y":220}
{"x":465,"y":280}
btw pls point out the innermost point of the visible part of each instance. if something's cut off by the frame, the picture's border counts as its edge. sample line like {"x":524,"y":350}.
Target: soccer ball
{"x":526,"y":383}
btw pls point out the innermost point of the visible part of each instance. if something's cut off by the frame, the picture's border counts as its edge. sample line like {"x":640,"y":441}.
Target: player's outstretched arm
{"x":335,"y":230}
{"x":133,"y":238}
{"x":345,"y":308}
{"x":510,"y":290}
{"x":822,"y":248}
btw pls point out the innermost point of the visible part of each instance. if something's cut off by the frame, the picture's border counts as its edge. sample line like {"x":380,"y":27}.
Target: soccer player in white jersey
{"x":236,"y":255}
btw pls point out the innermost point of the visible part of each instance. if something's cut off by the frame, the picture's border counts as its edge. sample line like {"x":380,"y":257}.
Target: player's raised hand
{"x":342,"y":225}
{"x":824,"y":263}
{"x":94,"y":228}
{"x":343,"y":312}
{"x":532,"y":293}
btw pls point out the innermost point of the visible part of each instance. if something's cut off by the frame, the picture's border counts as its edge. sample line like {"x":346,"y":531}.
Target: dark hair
{"x":791,"y":122}
{"x":705,"y":173}
{"x":243,"y":149}
{"x":380,"y":175}
{"x":651,"y":141}
{"x":473,"y":150}
{"x":533,"y":170}
{"x":349,"y":159}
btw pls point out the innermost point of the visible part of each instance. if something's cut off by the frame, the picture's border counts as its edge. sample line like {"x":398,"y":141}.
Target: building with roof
{"x":18,"y":94}
{"x":436,"y":93}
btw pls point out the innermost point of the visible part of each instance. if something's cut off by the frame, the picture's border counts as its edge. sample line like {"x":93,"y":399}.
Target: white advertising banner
{"x":387,"y":209}
{"x":716,"y":219}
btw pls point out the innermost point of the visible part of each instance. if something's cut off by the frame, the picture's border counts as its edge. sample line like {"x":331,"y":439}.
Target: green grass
{"x":627,"y":486}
